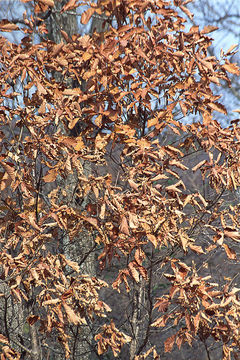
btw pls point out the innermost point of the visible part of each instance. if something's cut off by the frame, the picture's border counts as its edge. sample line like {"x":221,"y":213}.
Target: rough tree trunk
{"x":80,"y":247}
{"x":137,"y":317}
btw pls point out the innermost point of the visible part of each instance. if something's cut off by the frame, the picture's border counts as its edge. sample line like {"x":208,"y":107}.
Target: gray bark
{"x":137,"y":317}
{"x":11,"y":317}
{"x":80,"y":247}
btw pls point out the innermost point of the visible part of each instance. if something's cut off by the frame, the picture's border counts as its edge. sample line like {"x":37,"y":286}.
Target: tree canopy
{"x":159,"y":196}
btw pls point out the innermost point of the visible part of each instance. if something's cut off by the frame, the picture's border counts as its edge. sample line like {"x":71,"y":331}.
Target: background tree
{"x":155,"y":234}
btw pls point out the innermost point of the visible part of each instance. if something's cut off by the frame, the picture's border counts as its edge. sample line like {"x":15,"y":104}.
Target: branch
{"x":22,"y":346}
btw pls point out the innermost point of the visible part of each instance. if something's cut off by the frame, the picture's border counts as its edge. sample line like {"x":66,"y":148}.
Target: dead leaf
{"x":133,"y":184}
{"x":102,"y":211}
{"x":51,"y":302}
{"x":86,"y":16}
{"x":232,"y":47}
{"x":50,"y":176}
{"x":231,"y":254}
{"x":72,"y":4}
{"x":7,"y":26}
{"x":48,"y":2}
{"x":124,"y":226}
{"x":32,"y":319}
{"x":168,"y":344}
{"x":207,"y":29}
{"x":197,"y":249}
{"x":159,"y":177}
{"x":200,"y":164}
{"x":186,"y":11}
{"x":232,"y":234}
{"x":134,"y":272}
{"x":153,"y":239}
{"x":72,"y":317}
{"x":232,"y":68}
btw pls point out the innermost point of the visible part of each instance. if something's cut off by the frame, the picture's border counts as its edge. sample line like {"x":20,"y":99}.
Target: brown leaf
{"x":202,"y":200}
{"x":48,"y":2}
{"x":179,"y":54}
{"x":69,"y":92}
{"x":188,"y":320}
{"x":168,"y":344}
{"x":72,"y":4}
{"x":160,"y":322}
{"x":73,"y":264}
{"x":232,"y":68}
{"x":32,"y":319}
{"x":152,"y":122}
{"x":218,"y":107}
{"x":8,"y":177}
{"x":133,"y":184}
{"x":231,"y":254}
{"x":32,"y":221}
{"x":187,"y":199}
{"x":86,"y":16}
{"x":207,"y":29}
{"x":232,"y":234}
{"x":102,"y":211}
{"x":196,"y":322}
{"x":65,"y":36}
{"x":124,"y":226}
{"x":232,"y":47}
{"x":9,"y":169}
{"x":178,"y":164}
{"x":57,"y":48}
{"x":187,"y":12}
{"x":91,"y":220}
{"x":42,"y":108}
{"x":153,"y":239}
{"x":200,"y":164}
{"x":183,"y":108}
{"x":72,"y":317}
{"x":80,"y":144}
{"x":51,"y":302}
{"x":197,"y":249}
{"x":86,"y":56}
{"x":50,"y":176}
{"x":162,"y":304}
{"x":174,"y":187}
{"x":134,"y":272}
{"x":159,"y":177}
{"x":7,"y":26}
{"x":185,"y":240}
{"x":3,"y":339}
{"x":101,"y":141}
{"x":41,"y":89}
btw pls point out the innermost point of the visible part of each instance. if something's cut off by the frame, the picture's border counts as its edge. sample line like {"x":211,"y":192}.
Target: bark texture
{"x":81,"y":248}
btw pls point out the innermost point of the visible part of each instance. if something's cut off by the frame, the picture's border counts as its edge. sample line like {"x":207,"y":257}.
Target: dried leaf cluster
{"x":138,"y":76}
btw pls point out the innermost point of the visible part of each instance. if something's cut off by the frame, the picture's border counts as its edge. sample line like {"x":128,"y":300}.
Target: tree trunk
{"x":81,"y":247}
{"x":137,"y":317}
